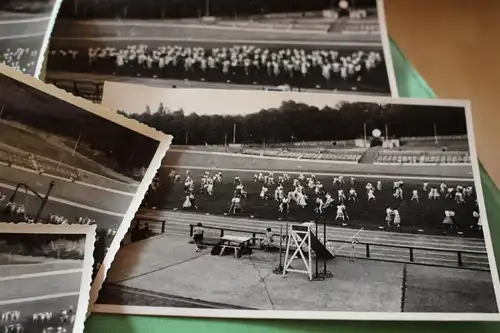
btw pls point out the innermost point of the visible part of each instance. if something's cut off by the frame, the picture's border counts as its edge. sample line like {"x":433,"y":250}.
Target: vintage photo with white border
{"x":25,"y":29}
{"x":306,"y":206}
{"x":65,"y":160}
{"x":45,"y":276}
{"x":317,"y":45}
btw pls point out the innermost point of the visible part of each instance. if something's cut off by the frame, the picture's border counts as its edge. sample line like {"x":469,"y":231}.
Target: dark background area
{"x":34,"y":108}
{"x":27,"y":6}
{"x":149,"y":9}
{"x":295,"y":122}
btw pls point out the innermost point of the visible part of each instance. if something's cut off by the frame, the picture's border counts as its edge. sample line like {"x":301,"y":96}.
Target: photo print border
{"x":112,"y":91}
{"x":89,"y":231}
{"x":163,"y":139}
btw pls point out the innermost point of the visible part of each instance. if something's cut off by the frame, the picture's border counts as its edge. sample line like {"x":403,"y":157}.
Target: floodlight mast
{"x":43,"y":198}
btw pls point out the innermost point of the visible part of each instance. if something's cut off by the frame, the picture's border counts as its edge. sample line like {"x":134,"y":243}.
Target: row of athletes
{"x":298,"y":194}
{"x":11,"y":319}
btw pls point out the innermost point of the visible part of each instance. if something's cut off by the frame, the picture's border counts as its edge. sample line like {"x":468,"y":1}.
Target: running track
{"x":137,"y":31}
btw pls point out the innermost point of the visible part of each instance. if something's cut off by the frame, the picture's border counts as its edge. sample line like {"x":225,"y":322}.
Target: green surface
{"x":410,"y":85}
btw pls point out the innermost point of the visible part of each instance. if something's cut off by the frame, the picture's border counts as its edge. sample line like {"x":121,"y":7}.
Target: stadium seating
{"x":417,"y":157}
{"x":36,"y":164}
{"x":345,"y":156}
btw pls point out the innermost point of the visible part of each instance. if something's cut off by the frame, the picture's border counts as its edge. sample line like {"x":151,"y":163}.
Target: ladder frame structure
{"x":299,"y":236}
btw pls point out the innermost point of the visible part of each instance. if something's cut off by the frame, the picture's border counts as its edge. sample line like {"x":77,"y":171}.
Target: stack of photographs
{"x":263,"y":45}
{"x":248,"y":160}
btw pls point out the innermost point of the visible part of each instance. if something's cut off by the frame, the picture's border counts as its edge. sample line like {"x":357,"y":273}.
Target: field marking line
{"x":38,"y":34}
{"x":41,"y":274}
{"x":222,"y":41}
{"x":38,"y":298}
{"x":69,"y":181}
{"x":70,"y":203}
{"x":24,"y":20}
{"x":328,"y":174}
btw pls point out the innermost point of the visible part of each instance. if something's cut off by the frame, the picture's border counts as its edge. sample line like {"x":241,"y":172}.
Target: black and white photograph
{"x":45,"y":276}
{"x":25,"y":29}
{"x":65,"y":160}
{"x":315,"y":45}
{"x":306,"y":205}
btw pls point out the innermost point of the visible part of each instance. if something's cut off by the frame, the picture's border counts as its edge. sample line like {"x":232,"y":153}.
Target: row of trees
{"x":43,"y":245}
{"x":295,"y":122}
{"x":148,"y":9}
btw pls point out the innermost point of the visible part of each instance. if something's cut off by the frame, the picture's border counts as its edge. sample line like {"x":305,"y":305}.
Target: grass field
{"x":425,"y":216}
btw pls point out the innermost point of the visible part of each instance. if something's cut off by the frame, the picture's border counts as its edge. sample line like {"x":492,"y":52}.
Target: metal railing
{"x":147,"y":220}
{"x":367,"y":247}
{"x":86,"y":89}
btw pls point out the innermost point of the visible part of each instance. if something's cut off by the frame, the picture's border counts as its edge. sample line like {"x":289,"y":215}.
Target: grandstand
{"x":326,"y":155}
{"x":38,"y":164}
{"x":429,"y":158}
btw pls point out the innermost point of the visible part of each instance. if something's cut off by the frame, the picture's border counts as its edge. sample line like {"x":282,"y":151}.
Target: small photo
{"x":25,"y":29}
{"x":306,"y":206}
{"x":64,"y":160}
{"x":45,"y":276}
{"x":294,"y":45}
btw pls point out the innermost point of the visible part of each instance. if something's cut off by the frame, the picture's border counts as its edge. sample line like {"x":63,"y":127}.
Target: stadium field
{"x":425,"y":216}
{"x":202,"y":159}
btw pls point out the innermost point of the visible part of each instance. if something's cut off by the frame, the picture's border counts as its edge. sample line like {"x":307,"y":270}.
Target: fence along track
{"x":451,"y":258}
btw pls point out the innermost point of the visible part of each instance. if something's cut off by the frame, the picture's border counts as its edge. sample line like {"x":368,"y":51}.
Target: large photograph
{"x":45,"y":275}
{"x":64,"y":160}
{"x":25,"y":28}
{"x":315,"y":45}
{"x":306,"y":205}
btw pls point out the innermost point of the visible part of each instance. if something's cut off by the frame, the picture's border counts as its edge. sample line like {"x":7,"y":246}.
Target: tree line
{"x":151,"y":9}
{"x":296,"y":122}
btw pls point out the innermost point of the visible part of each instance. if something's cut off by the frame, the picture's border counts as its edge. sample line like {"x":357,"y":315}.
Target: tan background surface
{"x":455,"y":46}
